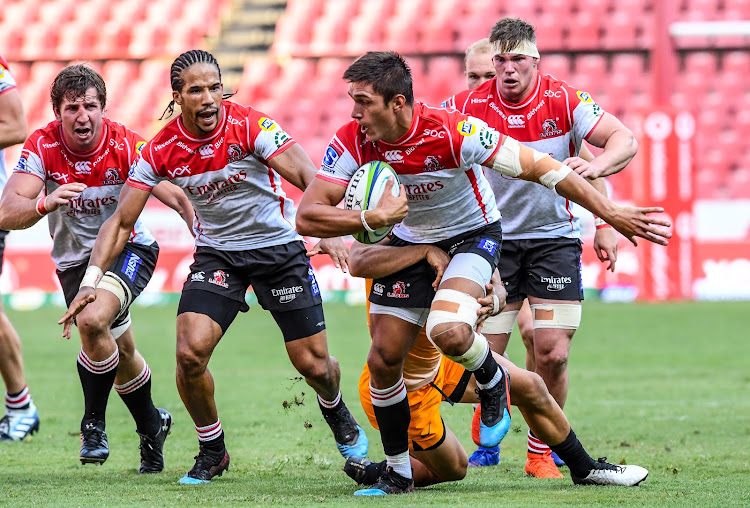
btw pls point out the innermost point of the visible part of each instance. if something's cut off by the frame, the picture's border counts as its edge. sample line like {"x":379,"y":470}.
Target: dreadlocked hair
{"x":184,"y":62}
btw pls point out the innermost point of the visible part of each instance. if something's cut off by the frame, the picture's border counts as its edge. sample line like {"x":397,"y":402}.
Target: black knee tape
{"x":221,"y":309}
{"x":300,"y":323}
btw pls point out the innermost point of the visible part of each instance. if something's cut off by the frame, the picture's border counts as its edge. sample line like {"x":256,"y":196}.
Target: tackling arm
{"x":294,"y":166}
{"x":619,"y":146}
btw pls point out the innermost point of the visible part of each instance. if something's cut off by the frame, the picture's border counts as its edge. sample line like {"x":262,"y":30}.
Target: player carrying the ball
{"x":447,"y":203}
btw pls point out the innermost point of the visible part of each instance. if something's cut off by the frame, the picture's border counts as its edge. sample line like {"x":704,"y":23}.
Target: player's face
{"x":516,"y":75}
{"x":200,"y":98}
{"x":82,"y":120}
{"x":376,"y":119}
{"x":479,"y":69}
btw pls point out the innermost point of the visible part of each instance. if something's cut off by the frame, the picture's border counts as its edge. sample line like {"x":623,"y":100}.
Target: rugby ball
{"x":364,"y":191}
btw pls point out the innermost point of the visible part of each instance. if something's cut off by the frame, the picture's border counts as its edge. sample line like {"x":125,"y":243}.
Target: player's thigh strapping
{"x":126,"y":279}
{"x":282,"y":279}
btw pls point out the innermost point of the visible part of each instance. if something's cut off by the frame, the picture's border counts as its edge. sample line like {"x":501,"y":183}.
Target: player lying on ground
{"x":436,"y":454}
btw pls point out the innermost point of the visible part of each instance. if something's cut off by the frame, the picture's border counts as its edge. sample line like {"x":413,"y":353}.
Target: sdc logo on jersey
{"x":466,"y":128}
{"x":266,"y":124}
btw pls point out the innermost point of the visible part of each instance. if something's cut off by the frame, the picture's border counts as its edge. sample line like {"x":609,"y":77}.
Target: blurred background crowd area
{"x":286,"y":58}
{"x":678,"y":64}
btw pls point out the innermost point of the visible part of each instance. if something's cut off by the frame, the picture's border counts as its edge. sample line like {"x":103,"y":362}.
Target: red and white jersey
{"x":238,"y":200}
{"x":7,"y":83}
{"x":436,"y":161}
{"x":554,"y":119}
{"x":74,"y":226}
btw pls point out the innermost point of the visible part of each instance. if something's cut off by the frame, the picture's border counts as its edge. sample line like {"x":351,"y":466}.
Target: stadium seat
{"x":255,"y":84}
{"x":590,"y":67}
{"x":739,"y":183}
{"x":11,"y":40}
{"x":293,"y":78}
{"x":76,"y":42}
{"x":550,"y":33}
{"x":620,"y":31}
{"x":329,"y":34}
{"x":113,"y":41}
{"x":703,"y":62}
{"x":584,"y":32}
{"x":364,"y":34}
{"x":437,"y":34}
{"x":150,"y":41}
{"x":40,"y":42}
{"x":400,"y":36}
{"x":558,"y":65}
{"x":471,"y":28}
{"x":292,"y":35}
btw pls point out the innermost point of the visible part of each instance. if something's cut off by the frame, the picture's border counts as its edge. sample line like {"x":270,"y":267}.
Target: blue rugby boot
{"x":351,"y":439}
{"x":207,"y":465}
{"x":484,"y":457}
{"x":558,"y":461}
{"x":494,"y":421}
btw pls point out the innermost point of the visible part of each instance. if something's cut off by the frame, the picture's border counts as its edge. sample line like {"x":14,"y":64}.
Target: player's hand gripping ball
{"x":364,"y":192}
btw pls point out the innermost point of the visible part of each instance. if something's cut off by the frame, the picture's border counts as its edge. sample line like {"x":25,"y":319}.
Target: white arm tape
{"x":92,"y":277}
{"x":508,"y":158}
{"x":552,"y":178}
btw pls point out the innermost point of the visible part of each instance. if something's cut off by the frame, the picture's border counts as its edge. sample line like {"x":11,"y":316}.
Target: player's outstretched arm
{"x":516,"y":160}
{"x":619,"y":146}
{"x":22,"y":206}
{"x":110,"y":241}
{"x":175,"y":198}
{"x":317,"y":214}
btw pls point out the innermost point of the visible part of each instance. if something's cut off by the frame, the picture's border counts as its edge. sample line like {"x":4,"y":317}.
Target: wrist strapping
{"x":92,"y":277}
{"x":41,"y":209}
{"x":599,"y":223}
{"x":364,"y":222}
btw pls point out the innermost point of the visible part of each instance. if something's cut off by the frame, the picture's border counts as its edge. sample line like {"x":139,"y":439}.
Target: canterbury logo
{"x":516,"y":121}
{"x":394,"y":156}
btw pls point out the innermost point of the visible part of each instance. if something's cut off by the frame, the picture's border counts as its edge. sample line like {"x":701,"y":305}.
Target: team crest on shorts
{"x":219,"y":278}
{"x":399,"y":290}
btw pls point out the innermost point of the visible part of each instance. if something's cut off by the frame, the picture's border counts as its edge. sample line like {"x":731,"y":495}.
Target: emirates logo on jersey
{"x":549,"y":129}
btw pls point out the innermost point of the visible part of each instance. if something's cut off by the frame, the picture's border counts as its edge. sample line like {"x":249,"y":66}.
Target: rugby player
{"x":542,"y":248}
{"x":229,"y":160}
{"x":21,"y":417}
{"x":450,"y":205}
{"x":72,"y":171}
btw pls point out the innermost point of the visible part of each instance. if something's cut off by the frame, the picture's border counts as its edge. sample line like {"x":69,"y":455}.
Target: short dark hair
{"x":509,"y":32}
{"x":72,"y":83}
{"x":386,"y":71}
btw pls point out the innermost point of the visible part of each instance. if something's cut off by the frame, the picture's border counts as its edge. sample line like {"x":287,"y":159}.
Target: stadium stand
{"x":603,"y":46}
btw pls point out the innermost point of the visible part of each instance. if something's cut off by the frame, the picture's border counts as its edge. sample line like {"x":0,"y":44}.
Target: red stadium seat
{"x":364,"y":34}
{"x":77,"y":41}
{"x":294,"y":77}
{"x":702,"y":62}
{"x":592,"y":66}
{"x":40,"y":42}
{"x":329,"y":35}
{"x":558,"y":65}
{"x":148,"y":40}
{"x":11,"y":40}
{"x":549,"y":33}
{"x":292,"y":35}
{"x":256,"y":81}
{"x":620,"y":31}
{"x":584,"y":32}
{"x":113,"y":40}
{"x":437,"y":34}
{"x":401,"y":36}
{"x":739,"y":183}
{"x":445,"y":76}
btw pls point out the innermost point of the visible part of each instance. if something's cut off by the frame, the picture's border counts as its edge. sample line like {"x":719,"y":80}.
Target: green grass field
{"x":664,"y":386}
